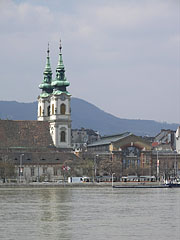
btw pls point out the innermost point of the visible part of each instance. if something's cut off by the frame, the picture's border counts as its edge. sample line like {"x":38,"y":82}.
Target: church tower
{"x":60,"y":118}
{"x":55,"y":102}
{"x":44,"y":98}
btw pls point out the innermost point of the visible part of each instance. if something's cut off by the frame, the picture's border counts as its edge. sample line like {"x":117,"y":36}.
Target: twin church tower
{"x":54,"y":103}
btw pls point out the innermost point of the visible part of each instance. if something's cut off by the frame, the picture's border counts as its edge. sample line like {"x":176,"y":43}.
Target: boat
{"x":174,"y":185}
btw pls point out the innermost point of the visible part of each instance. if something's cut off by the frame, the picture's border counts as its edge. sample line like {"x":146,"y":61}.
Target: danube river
{"x":89,"y":213}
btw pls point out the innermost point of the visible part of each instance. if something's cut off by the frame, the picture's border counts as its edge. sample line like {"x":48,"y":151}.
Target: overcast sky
{"x":121,"y":55}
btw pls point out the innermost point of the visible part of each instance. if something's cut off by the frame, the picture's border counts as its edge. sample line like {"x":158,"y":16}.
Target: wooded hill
{"x":87,"y":115}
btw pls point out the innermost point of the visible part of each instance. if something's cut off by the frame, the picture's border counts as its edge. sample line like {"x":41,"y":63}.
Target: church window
{"x":40,"y":111}
{"x":48,"y":110}
{"x":52,"y":109}
{"x":62,"y":75}
{"x":63,"y":108}
{"x":63,"y":136}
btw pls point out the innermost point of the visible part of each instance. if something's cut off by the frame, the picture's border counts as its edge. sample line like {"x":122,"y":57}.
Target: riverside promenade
{"x":72,"y":185}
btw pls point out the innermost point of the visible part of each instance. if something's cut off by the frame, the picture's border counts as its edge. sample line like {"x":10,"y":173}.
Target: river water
{"x":89,"y":214}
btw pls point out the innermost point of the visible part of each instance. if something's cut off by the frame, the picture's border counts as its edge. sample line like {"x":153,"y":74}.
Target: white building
{"x":54,"y":103}
{"x":178,"y":140}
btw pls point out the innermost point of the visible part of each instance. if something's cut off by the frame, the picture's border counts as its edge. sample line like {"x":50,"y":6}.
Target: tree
{"x":7,"y":169}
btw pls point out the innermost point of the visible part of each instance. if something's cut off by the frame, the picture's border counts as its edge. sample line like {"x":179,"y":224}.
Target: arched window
{"x":63,"y":136}
{"x":40,"y":111}
{"x":48,"y":110}
{"x":63,"y":109}
{"x":52,"y":109}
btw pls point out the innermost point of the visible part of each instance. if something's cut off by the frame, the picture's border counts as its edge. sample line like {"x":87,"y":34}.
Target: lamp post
{"x":95,"y":167}
{"x":20,"y":168}
{"x":175,"y":165}
{"x":112,"y":178}
{"x":157,"y":166}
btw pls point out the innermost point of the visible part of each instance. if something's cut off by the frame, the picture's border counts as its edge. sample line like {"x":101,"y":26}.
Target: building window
{"x":52,"y":109}
{"x":55,"y":171}
{"x":63,"y":136}
{"x":48,"y":110}
{"x":63,"y":109}
{"x":32,"y":171}
{"x":44,"y":170}
{"x":40,"y":110}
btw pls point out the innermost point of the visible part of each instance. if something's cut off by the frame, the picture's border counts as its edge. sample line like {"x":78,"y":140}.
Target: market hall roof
{"x":106,"y":140}
{"x":122,"y":140}
{"x":27,"y":134}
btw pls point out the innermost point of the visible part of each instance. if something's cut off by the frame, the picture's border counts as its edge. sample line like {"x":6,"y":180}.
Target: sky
{"x":123,"y":56}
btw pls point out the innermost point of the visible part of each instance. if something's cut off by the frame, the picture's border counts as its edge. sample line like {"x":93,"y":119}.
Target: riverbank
{"x":79,"y":185}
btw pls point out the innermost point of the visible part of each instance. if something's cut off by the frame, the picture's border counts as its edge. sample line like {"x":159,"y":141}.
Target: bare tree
{"x":7,"y":169}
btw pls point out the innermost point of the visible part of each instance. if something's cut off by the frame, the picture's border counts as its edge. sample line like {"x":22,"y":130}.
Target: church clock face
{"x":63,"y":97}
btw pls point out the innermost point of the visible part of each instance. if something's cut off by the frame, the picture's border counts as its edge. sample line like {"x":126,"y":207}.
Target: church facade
{"x":54,"y":103}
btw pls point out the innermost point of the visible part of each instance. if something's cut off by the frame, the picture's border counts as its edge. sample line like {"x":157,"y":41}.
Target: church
{"x":41,"y":150}
{"x":54,"y":103}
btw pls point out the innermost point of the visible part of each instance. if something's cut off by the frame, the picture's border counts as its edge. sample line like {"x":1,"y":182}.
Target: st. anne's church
{"x":41,"y":149}
{"x":54,"y":103}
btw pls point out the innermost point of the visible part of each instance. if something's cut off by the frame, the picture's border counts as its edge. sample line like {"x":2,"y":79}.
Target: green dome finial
{"x":48,"y":66}
{"x":48,"y":50}
{"x":60,"y":83}
{"x":46,"y":84}
{"x":60,"y":60}
{"x":60,"y":46}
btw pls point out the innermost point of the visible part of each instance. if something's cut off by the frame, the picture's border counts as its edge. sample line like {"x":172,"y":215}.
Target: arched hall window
{"x":63,"y":136}
{"x":48,"y":110}
{"x":63,"y":108}
{"x":52,"y":109}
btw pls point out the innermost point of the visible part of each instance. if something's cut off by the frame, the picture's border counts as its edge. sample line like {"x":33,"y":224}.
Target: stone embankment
{"x":71,"y":185}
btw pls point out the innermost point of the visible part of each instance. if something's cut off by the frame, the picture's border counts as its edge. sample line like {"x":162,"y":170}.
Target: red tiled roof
{"x":24,"y":134}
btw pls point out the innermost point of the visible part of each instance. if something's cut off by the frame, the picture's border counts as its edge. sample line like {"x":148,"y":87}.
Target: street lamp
{"x":95,"y":166}
{"x":157,"y":166}
{"x":20,"y":168}
{"x":112,"y":178}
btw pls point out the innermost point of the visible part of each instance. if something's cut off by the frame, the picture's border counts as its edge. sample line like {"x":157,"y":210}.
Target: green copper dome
{"x":60,"y":83}
{"x":46,"y":84}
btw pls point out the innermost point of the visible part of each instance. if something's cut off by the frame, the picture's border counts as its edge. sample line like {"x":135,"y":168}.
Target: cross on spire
{"x":48,"y":50}
{"x":60,"y":46}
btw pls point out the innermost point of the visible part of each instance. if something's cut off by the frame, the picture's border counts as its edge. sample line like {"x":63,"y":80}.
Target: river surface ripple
{"x":89,"y":214}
